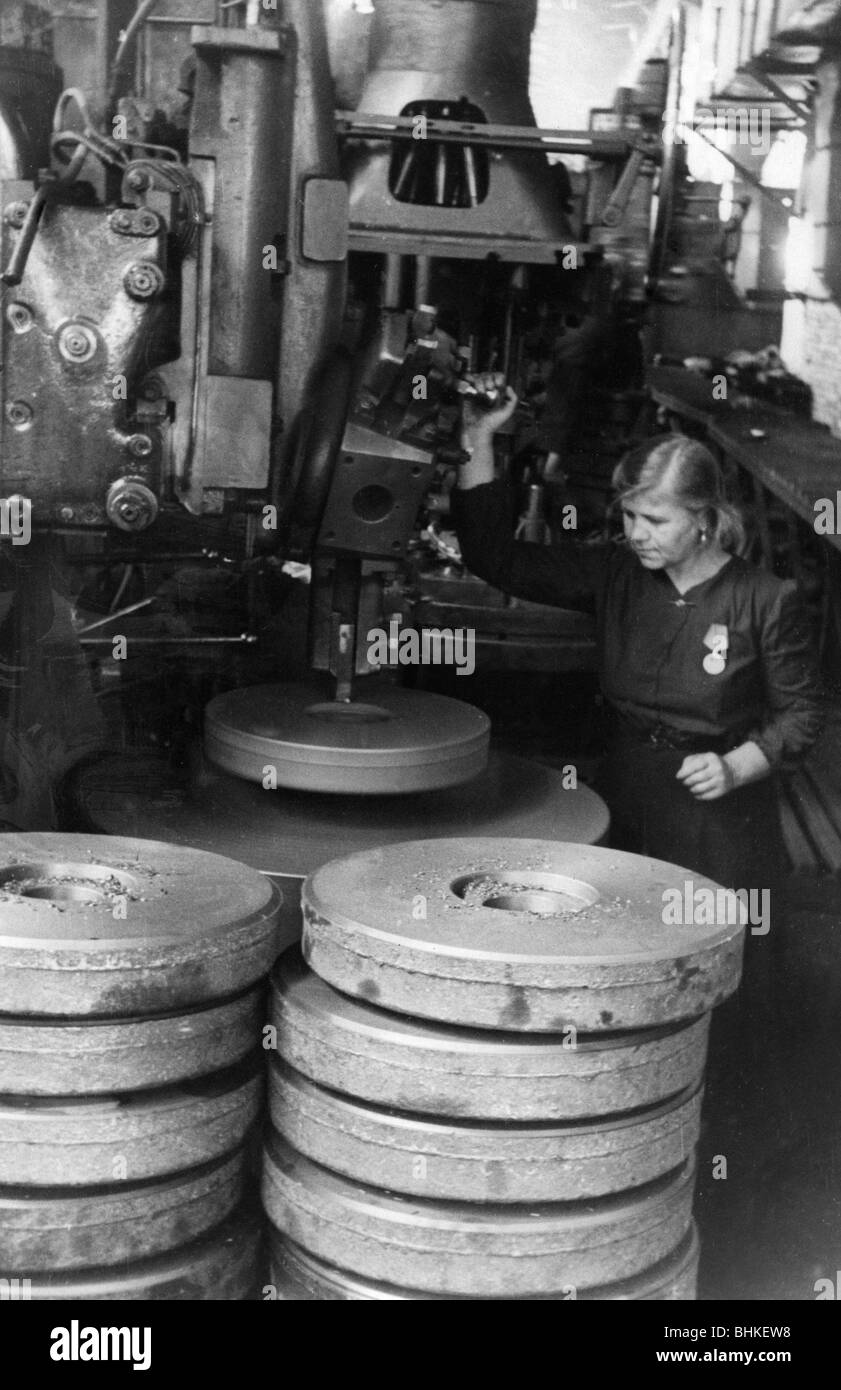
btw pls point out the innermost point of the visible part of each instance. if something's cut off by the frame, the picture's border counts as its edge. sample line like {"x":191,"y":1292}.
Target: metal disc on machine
{"x":449,"y":1160}
{"x":87,"y":1141}
{"x":528,"y":937}
{"x":288,"y":834}
{"x":470,"y":1248}
{"x":301,"y":1278}
{"x":51,"y":1229}
{"x":110,"y":927}
{"x":223,"y":1266}
{"x":436,"y":1068}
{"x":387,"y":741}
{"x":57,"y":1057}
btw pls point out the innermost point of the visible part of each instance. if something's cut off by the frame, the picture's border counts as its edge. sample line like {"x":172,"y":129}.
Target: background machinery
{"x":237,"y":322}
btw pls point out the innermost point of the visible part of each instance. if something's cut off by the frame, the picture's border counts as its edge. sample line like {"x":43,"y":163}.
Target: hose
{"x":139,"y":17}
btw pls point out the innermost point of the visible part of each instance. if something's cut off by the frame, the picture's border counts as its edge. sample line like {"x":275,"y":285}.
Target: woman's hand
{"x":479,"y":427}
{"x":706,"y":776}
{"x":482,"y":421}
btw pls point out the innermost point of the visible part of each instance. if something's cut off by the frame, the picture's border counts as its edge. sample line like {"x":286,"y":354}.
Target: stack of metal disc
{"x":488,"y":1076}
{"x":131,"y":1002}
{"x":288,"y":834}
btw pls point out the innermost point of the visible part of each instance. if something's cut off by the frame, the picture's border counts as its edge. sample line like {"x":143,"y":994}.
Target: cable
{"x":88,"y":139}
{"x":139,"y":17}
{"x":77,"y":161}
{"x":128,"y":571}
{"x":72,"y":94}
{"x":172,"y":155}
{"x":180,"y":180}
{"x":163,"y":163}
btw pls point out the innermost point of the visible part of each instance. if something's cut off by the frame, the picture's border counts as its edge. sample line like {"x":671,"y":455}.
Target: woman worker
{"x":705,"y":661}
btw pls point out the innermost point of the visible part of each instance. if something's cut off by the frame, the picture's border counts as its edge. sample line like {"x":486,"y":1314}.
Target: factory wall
{"x":821,"y":359}
{"x":812,"y":330}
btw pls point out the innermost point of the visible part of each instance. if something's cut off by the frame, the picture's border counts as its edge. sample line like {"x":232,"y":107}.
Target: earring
{"x":703,"y":536}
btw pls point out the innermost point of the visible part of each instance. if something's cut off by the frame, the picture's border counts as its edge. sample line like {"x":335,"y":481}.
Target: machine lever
{"x":617,"y":204}
{"x":14,"y":272}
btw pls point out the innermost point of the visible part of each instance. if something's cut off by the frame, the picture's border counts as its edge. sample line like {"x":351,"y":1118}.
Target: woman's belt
{"x":669,"y":738}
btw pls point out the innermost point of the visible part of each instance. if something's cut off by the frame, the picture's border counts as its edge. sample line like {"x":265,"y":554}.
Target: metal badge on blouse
{"x":718,"y":641}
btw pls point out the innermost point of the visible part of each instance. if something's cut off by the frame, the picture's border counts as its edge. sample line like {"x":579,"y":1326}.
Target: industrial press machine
{"x":252,"y":257}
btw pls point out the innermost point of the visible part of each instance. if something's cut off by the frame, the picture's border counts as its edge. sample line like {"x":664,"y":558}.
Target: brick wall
{"x":821,"y":359}
{"x":812,"y":342}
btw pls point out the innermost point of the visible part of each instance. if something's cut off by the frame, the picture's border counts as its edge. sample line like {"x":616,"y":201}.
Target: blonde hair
{"x":690,"y":473}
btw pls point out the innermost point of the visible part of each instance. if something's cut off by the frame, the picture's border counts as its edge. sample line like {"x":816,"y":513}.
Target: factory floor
{"x":771,"y":1227}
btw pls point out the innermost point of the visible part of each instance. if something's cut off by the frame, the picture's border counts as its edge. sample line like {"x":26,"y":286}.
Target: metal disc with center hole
{"x":288,"y":834}
{"x":452,"y":1160}
{"x":470,"y":1248}
{"x":50,"y":1229}
{"x":127,"y":1138}
{"x":223,"y":1265}
{"x":387,"y":741}
{"x":94,"y":925}
{"x":301,"y":1278}
{"x":436,"y":1068}
{"x":54,"y":1057}
{"x":529,"y":937}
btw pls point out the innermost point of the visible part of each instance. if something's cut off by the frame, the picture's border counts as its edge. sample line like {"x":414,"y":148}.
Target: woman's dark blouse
{"x":651,"y":639}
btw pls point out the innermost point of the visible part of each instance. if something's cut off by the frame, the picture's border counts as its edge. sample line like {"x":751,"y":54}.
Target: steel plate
{"x":294,"y":833}
{"x":300,"y":1278}
{"x":47,"y":1230}
{"x":224,"y":1265}
{"x":53,"y":1057}
{"x":450,"y":1160}
{"x":435,"y":1068}
{"x":526,"y":937}
{"x":388,"y":741}
{"x":469,"y":1248}
{"x":127,"y":1138}
{"x":94,"y":925}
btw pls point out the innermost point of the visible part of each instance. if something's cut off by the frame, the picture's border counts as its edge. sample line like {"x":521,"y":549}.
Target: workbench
{"x":791,"y":457}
